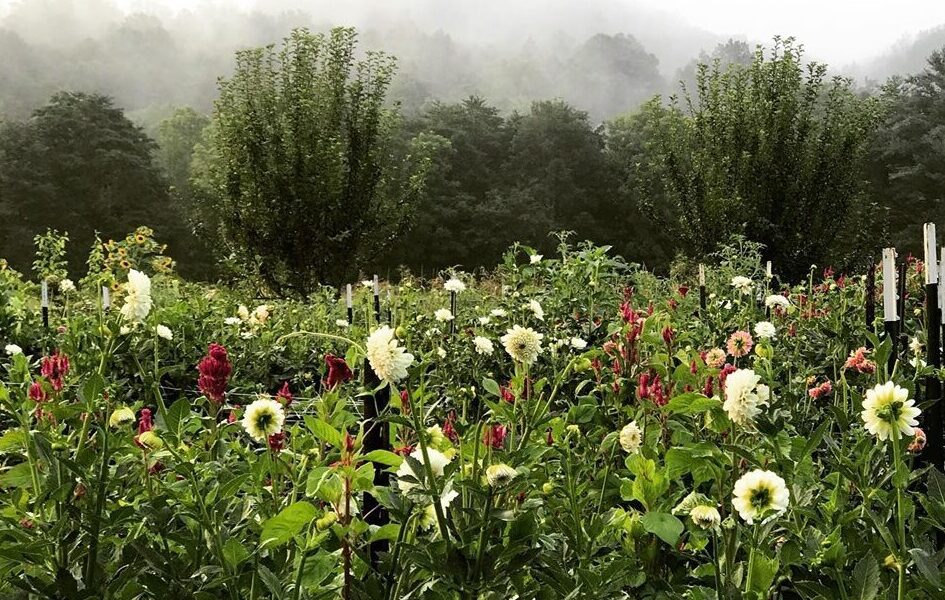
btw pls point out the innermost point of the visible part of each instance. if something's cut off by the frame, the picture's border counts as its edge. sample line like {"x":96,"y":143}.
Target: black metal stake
{"x":935,"y":446}
{"x":453,"y":312}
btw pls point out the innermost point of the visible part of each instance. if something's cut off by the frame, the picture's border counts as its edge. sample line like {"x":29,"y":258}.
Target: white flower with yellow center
{"x":443,"y":315}
{"x":577,"y":343}
{"x":631,"y":438}
{"x":137,"y":297}
{"x":705,"y":517}
{"x":500,"y":475}
{"x":498,"y":312}
{"x":777,"y":300}
{"x":522,"y":343}
{"x":483,"y":345}
{"x":758,"y":493}
{"x":66,"y":286}
{"x":263,"y":418}
{"x":388,"y":359}
{"x":744,"y":396}
{"x":242,"y":312}
{"x":535,"y":258}
{"x":454,"y":285}
{"x":887,"y":409}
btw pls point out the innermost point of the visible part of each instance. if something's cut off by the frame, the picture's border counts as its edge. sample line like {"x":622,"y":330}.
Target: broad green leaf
{"x":692,"y":403}
{"x":287,"y":524}
{"x":234,"y":552}
{"x":384,"y":457}
{"x":324,"y":432}
{"x":763,"y":572}
{"x":663,"y":525}
{"x":491,"y":386}
{"x":865,"y":581}
{"x":272,"y":582}
{"x":176,"y":417}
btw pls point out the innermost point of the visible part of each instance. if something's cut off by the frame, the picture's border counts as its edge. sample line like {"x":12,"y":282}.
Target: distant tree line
{"x":304,"y":173}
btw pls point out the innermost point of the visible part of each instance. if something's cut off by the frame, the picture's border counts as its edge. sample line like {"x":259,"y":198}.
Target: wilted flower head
{"x":758,"y":493}
{"x":263,"y":418}
{"x":215,"y":370}
{"x":821,"y":391}
{"x":888,"y":411}
{"x":918,"y":442}
{"x":388,"y":359}
{"x":137,"y":297}
{"x":740,"y":344}
{"x":522,"y":343}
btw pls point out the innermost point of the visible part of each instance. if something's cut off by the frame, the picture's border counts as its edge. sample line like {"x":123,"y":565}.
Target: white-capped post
{"x":941,"y":285}
{"x":106,"y":298}
{"x":935,"y":432}
{"x":377,"y":299}
{"x":702,"y":295}
{"x":889,"y":285}
{"x":768,"y":269}
{"x":44,"y":301}
{"x":349,"y":304}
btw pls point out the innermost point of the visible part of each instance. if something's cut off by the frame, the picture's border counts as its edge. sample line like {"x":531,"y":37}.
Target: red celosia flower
{"x":144,"y":421}
{"x":668,"y":335}
{"x":448,"y":430}
{"x":284,"y":396}
{"x":405,"y":402}
{"x":727,"y":370}
{"x":494,"y":436}
{"x":54,"y":368}
{"x":404,"y":450}
{"x":683,"y":290}
{"x":37,"y":393}
{"x":277,"y":442}
{"x":549,"y":438}
{"x":707,"y":390}
{"x":338,"y":371}
{"x":231,"y":418}
{"x":215,"y":370}
{"x":155,"y":468}
{"x":507,"y":394}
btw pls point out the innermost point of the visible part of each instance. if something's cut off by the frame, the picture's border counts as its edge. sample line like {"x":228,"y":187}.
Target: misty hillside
{"x":599,"y":56}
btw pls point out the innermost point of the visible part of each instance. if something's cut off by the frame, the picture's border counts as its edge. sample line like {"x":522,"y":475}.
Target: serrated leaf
{"x":287,"y":524}
{"x":865,"y":579}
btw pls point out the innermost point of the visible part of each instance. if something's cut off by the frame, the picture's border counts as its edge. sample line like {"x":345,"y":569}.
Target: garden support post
{"x":349,"y":302}
{"x":376,"y":437}
{"x":44,"y":302}
{"x":935,"y":447}
{"x":890,"y":308}
{"x":901,"y":284}
{"x":702,"y":294}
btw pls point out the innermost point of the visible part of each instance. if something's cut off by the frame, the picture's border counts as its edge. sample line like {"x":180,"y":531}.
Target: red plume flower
{"x":37,"y":393}
{"x":338,"y":371}
{"x":284,"y":396}
{"x":494,"y":436}
{"x":215,"y":370}
{"x":54,"y":368}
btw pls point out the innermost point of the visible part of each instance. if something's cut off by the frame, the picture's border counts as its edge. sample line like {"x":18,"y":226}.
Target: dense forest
{"x":125,"y":121}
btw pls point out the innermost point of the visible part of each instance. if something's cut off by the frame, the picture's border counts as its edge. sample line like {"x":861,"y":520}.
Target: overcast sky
{"x":837,"y":31}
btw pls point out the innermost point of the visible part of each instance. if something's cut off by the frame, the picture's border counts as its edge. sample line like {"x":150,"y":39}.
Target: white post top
{"x":44,"y":294}
{"x":106,"y":297}
{"x":889,"y":285}
{"x":348,"y":299}
{"x":377,"y":286}
{"x":701,"y":274}
{"x":768,"y":269}
{"x":931,"y":266}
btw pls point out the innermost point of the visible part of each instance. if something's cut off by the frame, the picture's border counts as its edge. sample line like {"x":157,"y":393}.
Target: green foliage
{"x":79,"y":164}
{"x":304,"y":175}
{"x":50,"y":263}
{"x":771,"y":150}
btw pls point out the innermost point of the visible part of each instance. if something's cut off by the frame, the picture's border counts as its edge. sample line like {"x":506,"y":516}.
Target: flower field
{"x":567,"y":426}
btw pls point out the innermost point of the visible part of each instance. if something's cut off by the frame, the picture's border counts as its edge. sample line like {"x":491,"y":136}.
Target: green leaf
{"x":386,"y":532}
{"x":272,"y":582}
{"x":17,"y":476}
{"x":692,"y":403}
{"x":865,"y":579}
{"x":384,"y":457}
{"x":324,"y":432}
{"x":12,"y":440}
{"x":491,"y":386}
{"x":663,"y":525}
{"x":234,"y":553}
{"x":927,"y":566}
{"x":763,"y":572}
{"x":287,"y":524}
{"x":176,"y":416}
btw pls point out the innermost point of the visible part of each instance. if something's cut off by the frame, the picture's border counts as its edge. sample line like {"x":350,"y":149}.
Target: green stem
{"x":900,"y":512}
